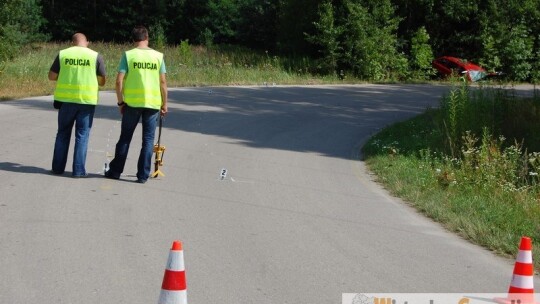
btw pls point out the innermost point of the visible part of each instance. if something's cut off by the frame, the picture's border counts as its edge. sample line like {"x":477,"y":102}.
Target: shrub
{"x":158,"y":37}
{"x":20,"y":23}
{"x":421,"y":54}
{"x":184,"y":50}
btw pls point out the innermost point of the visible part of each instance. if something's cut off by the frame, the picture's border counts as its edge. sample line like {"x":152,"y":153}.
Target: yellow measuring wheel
{"x":159,"y":150}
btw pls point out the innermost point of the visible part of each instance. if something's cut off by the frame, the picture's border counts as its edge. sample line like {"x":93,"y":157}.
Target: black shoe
{"x":109,"y":174}
{"x":141,"y":181}
{"x":56,"y":172}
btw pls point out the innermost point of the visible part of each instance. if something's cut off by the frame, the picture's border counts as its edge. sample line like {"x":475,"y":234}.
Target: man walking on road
{"x":78,"y":71}
{"x":141,"y":91}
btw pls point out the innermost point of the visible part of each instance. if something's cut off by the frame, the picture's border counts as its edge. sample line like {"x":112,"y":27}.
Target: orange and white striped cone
{"x":522,"y":286}
{"x":173,"y":289}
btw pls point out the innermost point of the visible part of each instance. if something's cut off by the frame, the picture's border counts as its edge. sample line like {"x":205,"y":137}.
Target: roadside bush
{"x":517,"y":53}
{"x":185,"y":52}
{"x":421,"y":55}
{"x":158,"y":37}
{"x":20,"y":23}
{"x":10,"y":41}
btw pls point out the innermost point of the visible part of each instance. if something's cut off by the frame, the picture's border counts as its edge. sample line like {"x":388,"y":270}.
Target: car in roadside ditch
{"x":447,"y":66}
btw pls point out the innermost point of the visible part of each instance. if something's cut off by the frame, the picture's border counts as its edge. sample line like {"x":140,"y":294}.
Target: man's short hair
{"x":78,"y":37}
{"x":139,"y":33}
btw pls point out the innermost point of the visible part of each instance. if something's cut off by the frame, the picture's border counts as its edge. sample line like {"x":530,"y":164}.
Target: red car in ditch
{"x":447,"y":65}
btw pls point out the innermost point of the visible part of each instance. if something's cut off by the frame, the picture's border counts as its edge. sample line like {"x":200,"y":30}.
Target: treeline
{"x":371,"y":39}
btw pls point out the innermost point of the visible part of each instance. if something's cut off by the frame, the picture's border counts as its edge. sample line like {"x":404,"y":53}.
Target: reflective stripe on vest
{"x":77,"y":81}
{"x":142,"y":83}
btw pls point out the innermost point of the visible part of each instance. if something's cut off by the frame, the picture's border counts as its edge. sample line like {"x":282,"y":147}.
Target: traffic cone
{"x":521,"y":287}
{"x":173,"y":289}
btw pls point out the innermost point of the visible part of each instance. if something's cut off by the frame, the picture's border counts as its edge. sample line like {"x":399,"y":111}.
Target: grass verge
{"x":484,"y":188}
{"x":187,"y":65}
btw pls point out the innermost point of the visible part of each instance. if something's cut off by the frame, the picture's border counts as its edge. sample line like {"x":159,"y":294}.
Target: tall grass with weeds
{"x":187,"y":65}
{"x":27,"y":75}
{"x":473,"y":165}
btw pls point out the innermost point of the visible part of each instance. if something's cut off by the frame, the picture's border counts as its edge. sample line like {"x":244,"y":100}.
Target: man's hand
{"x":53,"y":76}
{"x":163,"y":110}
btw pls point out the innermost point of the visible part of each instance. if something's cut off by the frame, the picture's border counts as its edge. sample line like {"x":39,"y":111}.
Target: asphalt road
{"x":296,"y":219}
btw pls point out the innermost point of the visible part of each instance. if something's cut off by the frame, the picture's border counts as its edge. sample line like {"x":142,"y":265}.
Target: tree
{"x":413,"y":15}
{"x":183,"y":20}
{"x":222,"y":19}
{"x":518,"y":53}
{"x":294,"y":20}
{"x":535,"y":75}
{"x":508,"y":36}
{"x":370,"y":39}
{"x":421,"y":54}
{"x":257,"y":26}
{"x":326,"y":38}
{"x":20,"y":23}
{"x":453,"y":26}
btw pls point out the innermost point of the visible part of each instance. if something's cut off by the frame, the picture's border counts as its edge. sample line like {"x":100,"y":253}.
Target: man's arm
{"x":100,"y":69}
{"x":122,"y":70}
{"x":163,"y":90}
{"x":55,"y":69}
{"x":120,"y":88}
{"x":101,"y":80}
{"x":53,"y":76}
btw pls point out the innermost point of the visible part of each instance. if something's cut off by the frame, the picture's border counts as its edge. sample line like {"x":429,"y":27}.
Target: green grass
{"x":26,"y":75}
{"x":485,"y":188}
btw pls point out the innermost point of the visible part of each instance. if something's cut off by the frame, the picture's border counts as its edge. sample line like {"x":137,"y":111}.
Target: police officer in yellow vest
{"x":141,"y":90}
{"x":78,"y":71}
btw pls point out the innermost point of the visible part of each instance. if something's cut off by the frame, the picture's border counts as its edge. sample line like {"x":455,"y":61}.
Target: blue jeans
{"x":82,"y":116}
{"x":130,"y":119}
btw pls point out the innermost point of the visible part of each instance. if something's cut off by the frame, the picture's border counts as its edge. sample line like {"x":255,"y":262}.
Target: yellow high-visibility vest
{"x":77,"y":81}
{"x":142,"y":83}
